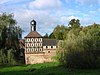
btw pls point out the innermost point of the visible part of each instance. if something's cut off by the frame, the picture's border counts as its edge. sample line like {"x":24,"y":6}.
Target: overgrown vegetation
{"x":81,"y":47}
{"x":9,"y":39}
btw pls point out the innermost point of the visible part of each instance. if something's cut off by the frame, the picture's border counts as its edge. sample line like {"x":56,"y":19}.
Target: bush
{"x":7,"y":58}
{"x":83,"y":59}
{"x":80,"y":51}
{"x":11,"y":57}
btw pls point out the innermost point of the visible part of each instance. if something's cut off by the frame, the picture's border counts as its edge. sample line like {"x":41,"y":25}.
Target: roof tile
{"x":33,"y":34}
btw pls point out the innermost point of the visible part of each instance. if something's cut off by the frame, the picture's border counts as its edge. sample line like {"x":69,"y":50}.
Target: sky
{"x":50,"y":13}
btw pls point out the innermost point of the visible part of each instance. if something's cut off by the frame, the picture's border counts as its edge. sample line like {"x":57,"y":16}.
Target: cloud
{"x":48,"y":13}
{"x":72,"y":17}
{"x":4,"y":1}
{"x":45,"y":4}
{"x":87,"y":2}
{"x":86,"y":21}
{"x":45,"y":21}
{"x":11,"y":1}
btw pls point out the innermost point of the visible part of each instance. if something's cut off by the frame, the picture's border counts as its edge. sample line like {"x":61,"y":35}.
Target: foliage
{"x":81,"y":49}
{"x":59,"y":32}
{"x":9,"y":37}
{"x":46,"y":36}
{"x":74,"y":23}
{"x":11,"y":57}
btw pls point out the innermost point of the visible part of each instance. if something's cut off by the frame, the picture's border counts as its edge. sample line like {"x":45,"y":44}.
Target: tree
{"x":11,"y":57}
{"x":59,"y":32}
{"x":9,"y":34}
{"x":74,"y":23}
{"x":46,"y":36}
{"x":52,"y":35}
{"x":82,"y":50}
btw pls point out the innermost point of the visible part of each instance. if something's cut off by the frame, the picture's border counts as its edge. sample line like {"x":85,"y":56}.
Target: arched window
{"x":46,"y":46}
{"x":40,"y":49}
{"x":51,"y":46}
{"x":40,"y":39}
{"x":28,"y":44}
{"x":28,"y":39}
{"x":48,"y":51}
{"x":32,"y":40}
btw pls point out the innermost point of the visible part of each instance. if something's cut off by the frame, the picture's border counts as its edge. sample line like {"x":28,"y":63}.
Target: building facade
{"x":37,"y":48}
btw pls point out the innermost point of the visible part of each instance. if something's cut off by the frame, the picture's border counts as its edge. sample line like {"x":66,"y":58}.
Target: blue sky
{"x":50,"y":13}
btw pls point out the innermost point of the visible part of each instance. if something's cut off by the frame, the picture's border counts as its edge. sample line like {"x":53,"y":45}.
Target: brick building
{"x":37,"y":48}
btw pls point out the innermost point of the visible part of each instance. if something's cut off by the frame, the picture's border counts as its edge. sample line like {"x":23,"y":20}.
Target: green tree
{"x":9,"y":35}
{"x":59,"y":32}
{"x":9,"y":32}
{"x":11,"y":57}
{"x":82,"y":50}
{"x":46,"y":36}
{"x":74,"y":23}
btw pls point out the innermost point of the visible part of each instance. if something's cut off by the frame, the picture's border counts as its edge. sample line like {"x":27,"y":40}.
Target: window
{"x":48,"y":51}
{"x":28,"y":39}
{"x":51,"y":46}
{"x":36,"y":44}
{"x":46,"y":46}
{"x":27,"y":50}
{"x":32,"y":39}
{"x":36,"y":39}
{"x":28,"y":45}
{"x":40,"y":39}
{"x":40,"y":44}
{"x":37,"y":49}
{"x":40,"y":49}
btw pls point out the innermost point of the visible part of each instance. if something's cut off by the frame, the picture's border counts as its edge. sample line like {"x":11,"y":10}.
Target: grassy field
{"x":44,"y":69}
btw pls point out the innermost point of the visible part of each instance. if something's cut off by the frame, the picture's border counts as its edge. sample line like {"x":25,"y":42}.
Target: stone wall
{"x":45,"y":56}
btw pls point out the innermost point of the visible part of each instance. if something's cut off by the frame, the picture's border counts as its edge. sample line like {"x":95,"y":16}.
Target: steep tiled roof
{"x":50,"y":42}
{"x":33,"y":34}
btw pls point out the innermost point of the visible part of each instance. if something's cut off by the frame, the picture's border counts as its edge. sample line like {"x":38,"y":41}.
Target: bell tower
{"x":33,"y":25}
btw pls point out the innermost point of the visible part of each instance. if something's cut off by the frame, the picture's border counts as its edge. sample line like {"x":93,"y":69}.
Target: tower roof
{"x":33,"y":34}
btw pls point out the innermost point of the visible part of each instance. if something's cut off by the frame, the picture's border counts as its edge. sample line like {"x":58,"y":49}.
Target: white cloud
{"x":86,"y":21}
{"x":45,"y":4}
{"x":45,"y":21}
{"x":72,"y":17}
{"x":43,"y":11}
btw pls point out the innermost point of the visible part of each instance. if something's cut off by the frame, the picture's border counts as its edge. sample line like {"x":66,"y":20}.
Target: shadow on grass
{"x":56,"y":70}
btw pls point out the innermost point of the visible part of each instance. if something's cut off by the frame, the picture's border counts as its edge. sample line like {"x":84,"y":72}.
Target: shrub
{"x":80,"y":51}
